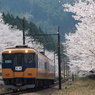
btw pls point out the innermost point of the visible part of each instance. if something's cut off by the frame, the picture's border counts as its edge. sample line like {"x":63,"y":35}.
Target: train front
{"x":19,"y":68}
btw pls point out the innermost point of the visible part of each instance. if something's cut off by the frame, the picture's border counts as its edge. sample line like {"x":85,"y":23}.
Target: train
{"x":23,"y":67}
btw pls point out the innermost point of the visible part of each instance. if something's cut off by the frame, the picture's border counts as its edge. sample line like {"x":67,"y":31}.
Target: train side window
{"x":46,"y":65}
{"x":36,"y":60}
{"x":39,"y":63}
{"x":29,"y":58}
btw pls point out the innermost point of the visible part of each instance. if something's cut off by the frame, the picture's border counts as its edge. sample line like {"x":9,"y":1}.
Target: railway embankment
{"x":81,"y":86}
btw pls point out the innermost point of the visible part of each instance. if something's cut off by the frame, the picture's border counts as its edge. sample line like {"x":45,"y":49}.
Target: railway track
{"x":23,"y":91}
{"x":34,"y":89}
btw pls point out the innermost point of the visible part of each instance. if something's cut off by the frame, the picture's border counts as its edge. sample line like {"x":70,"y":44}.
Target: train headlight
{"x":10,"y":51}
{"x":26,"y":51}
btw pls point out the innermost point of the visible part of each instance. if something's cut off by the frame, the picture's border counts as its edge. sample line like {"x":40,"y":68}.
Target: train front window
{"x":18,"y":59}
{"x":29,"y":57}
{"x":7,"y":58}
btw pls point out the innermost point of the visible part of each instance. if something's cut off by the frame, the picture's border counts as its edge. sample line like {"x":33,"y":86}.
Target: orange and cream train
{"x":24,"y":67}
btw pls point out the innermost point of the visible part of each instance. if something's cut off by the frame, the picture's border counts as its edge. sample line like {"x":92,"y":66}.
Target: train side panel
{"x":42,"y":72}
{"x":45,"y":68}
{"x":51,"y":70}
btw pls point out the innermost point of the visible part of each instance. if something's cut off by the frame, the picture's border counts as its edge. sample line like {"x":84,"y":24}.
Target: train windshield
{"x":18,"y":59}
{"x":7,"y":58}
{"x":29,"y":57}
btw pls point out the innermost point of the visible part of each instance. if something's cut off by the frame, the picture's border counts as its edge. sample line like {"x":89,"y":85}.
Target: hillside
{"x":48,"y":14}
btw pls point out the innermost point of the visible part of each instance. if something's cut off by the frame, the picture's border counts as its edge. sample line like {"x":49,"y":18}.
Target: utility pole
{"x":23,"y":32}
{"x":54,"y":65}
{"x":59,"y":64}
{"x":64,"y":68}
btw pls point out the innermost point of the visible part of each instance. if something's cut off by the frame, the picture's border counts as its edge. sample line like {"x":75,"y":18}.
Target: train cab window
{"x":7,"y":58}
{"x":29,"y":58}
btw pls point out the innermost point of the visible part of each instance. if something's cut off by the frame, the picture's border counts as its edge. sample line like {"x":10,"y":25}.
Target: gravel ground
{"x":49,"y":91}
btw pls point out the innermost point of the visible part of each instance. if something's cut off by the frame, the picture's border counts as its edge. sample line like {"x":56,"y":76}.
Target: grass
{"x":81,"y":86}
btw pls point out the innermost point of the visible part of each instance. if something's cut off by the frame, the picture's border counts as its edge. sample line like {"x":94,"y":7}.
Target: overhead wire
{"x":4,"y":6}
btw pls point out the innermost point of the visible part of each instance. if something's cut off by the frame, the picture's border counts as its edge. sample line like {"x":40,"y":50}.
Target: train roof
{"x":19,"y":49}
{"x":22,"y":49}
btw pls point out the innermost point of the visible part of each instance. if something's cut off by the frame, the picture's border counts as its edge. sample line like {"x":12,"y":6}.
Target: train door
{"x":18,"y":65}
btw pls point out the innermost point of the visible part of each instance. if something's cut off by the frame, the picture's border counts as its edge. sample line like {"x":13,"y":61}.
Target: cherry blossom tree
{"x":80,"y":46}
